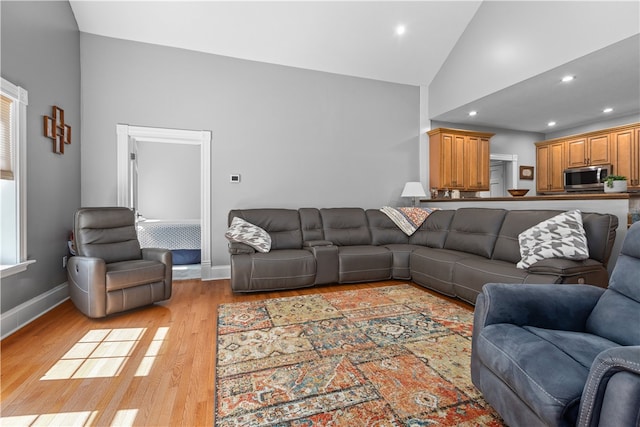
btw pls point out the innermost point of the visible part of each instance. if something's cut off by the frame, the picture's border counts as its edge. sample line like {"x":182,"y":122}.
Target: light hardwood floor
{"x":157,"y":364}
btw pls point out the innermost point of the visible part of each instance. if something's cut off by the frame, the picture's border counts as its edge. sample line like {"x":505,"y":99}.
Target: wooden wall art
{"x":57,"y":130}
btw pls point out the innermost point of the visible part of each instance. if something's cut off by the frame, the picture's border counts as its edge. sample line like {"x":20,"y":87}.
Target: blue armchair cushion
{"x":552,"y":382}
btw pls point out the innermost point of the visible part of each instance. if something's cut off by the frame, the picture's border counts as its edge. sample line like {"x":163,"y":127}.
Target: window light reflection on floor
{"x":123,"y":418}
{"x":154,"y":349}
{"x":100,"y":353}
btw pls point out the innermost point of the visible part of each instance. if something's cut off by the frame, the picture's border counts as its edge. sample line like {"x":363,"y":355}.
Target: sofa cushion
{"x":433,"y":268}
{"x":311,"y":224}
{"x":434,"y":230}
{"x":281,"y":269}
{"x":383,"y":230}
{"x":283,"y":225}
{"x":515,"y":222}
{"x":345,"y":226}
{"x":364,"y":263}
{"x":561,"y":236}
{"x":241,"y":231}
{"x":401,"y":260}
{"x":471,"y":273}
{"x":475,"y":230}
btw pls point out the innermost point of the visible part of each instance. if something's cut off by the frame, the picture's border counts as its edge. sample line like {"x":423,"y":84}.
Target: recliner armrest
{"x":87,"y":284}
{"x":551,"y":306}
{"x":157,"y":254}
{"x":565,"y":267}
{"x":611,"y":395}
{"x":166,"y":257}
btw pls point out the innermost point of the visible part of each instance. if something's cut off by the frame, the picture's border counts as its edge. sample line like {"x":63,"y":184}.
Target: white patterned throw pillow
{"x":242,"y":231}
{"x":562,"y":236}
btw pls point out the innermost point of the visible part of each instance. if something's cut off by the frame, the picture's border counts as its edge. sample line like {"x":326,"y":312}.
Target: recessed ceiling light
{"x":566,"y":79}
{"x":551,"y":124}
{"x":607,"y":110}
{"x":400,"y":30}
{"x":473,"y":113}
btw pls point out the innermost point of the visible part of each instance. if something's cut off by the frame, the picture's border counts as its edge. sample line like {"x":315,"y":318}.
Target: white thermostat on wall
{"x":234,"y":178}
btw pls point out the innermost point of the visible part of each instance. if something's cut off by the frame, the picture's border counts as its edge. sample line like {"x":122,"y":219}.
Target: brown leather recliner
{"x":111,"y":273}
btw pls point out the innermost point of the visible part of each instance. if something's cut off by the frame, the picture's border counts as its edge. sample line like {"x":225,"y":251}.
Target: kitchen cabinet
{"x":588,"y":150}
{"x":619,"y":146}
{"x":459,"y":159}
{"x":478,"y":171}
{"x":625,"y":155}
{"x":550,"y":161}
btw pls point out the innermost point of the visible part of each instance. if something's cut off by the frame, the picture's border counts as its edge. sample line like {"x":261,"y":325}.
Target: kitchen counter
{"x":548,"y":197}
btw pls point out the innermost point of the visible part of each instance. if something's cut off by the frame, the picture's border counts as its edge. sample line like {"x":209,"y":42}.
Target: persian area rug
{"x":389,"y":356}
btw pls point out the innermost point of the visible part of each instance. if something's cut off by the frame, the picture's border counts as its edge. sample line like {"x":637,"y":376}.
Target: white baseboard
{"x":28,"y":311}
{"x":216,"y":272}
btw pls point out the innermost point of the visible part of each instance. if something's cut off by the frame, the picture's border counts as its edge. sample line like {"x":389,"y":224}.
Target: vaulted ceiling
{"x":360,"y":38}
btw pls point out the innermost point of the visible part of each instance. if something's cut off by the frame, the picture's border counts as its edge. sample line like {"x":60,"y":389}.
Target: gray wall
{"x":41,"y":53}
{"x":168,"y":180}
{"x":297,"y":137}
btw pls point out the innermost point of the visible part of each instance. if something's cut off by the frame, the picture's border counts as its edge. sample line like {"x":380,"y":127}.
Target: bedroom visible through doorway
{"x":163,"y":174}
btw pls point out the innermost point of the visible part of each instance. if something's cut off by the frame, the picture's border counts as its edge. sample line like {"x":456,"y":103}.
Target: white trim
{"x":10,"y":270}
{"x":128,"y":136}
{"x":216,"y":273}
{"x":20,"y":172}
{"x":27,"y":312}
{"x":513,"y":158}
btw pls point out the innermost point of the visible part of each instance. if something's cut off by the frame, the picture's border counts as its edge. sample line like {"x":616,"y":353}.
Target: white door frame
{"x":128,"y":136}
{"x":513,"y":159}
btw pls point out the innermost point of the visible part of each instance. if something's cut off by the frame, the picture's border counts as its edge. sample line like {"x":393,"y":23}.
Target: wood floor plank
{"x":179,"y":387}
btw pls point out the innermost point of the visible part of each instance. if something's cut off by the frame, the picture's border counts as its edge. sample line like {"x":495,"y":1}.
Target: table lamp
{"x":413,"y":190}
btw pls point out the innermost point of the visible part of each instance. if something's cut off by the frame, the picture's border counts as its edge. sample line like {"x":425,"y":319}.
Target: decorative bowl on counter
{"x":518,"y":192}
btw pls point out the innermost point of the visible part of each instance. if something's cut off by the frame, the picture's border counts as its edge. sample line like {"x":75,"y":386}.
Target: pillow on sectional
{"x":242,"y":231}
{"x":562,"y":236}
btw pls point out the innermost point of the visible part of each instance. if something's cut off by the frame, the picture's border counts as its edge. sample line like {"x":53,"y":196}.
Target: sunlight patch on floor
{"x":100,"y":353}
{"x":152,"y":352}
{"x":123,"y":418}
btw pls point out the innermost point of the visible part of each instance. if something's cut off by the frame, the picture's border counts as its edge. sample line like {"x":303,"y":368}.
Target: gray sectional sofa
{"x":454,"y":252}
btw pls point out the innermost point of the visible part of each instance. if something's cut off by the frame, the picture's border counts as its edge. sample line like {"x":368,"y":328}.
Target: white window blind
{"x":6,"y":132}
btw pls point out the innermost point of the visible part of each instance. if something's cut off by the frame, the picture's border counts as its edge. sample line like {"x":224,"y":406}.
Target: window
{"x":13,"y":188}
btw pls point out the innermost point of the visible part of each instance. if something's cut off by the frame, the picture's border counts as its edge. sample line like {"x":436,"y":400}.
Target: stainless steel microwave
{"x":590,"y":178}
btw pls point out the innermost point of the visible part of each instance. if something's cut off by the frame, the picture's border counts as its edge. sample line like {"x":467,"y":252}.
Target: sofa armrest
{"x":237,"y":248}
{"x":565,"y":267}
{"x":316,"y":243}
{"x":611,"y":395}
{"x":564,"y":307}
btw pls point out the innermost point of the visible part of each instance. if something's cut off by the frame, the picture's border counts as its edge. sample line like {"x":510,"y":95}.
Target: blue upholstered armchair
{"x":562,"y":355}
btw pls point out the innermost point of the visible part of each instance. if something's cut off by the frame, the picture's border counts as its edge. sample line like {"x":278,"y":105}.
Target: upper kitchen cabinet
{"x":625,"y":154}
{"x":588,"y":150}
{"x":459,"y":159}
{"x":619,"y":146}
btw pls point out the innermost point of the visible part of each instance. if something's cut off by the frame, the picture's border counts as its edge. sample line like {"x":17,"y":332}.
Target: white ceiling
{"x":358,"y":38}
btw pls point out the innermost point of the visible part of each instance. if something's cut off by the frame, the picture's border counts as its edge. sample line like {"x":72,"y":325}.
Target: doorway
{"x":133,"y":141}
{"x":497,"y":185}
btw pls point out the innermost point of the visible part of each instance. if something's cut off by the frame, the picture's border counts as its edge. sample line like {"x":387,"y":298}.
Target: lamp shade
{"x":413,"y":189}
